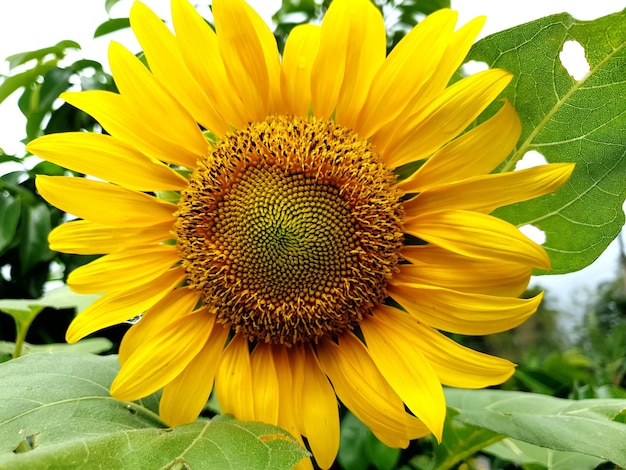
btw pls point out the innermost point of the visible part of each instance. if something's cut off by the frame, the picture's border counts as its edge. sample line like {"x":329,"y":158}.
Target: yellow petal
{"x":443,"y":119}
{"x":248,"y":49}
{"x":477,"y":152}
{"x":486,"y":193}
{"x":478,"y":236}
{"x":352,"y":48}
{"x":401,"y":76}
{"x":459,"y":312}
{"x":266,"y":387}
{"x":300,"y":51}
{"x":125,"y":269}
{"x":104,"y":203}
{"x":167,"y":65}
{"x":287,"y":414}
{"x":451,"y":60}
{"x":366,"y":49}
{"x":362,"y":388}
{"x":407,"y":371}
{"x":320,"y":412}
{"x":175,"y":304}
{"x":438,"y":267}
{"x":186,"y":395}
{"x":106,"y":158}
{"x":167,"y":354}
{"x":296,"y":366}
{"x":117,"y":307}
{"x":82,"y":237}
{"x":129,"y":125}
{"x":233,"y":381}
{"x":193,"y":35}
{"x":455,"y":365}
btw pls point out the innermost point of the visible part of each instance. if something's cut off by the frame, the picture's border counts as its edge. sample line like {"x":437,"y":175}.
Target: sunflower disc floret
{"x":291,"y":229}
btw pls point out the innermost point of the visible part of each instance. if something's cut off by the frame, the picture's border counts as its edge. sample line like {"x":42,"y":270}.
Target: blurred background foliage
{"x":557,"y":355}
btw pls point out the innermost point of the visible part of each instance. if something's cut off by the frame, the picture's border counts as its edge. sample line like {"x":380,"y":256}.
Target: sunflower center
{"x":290,"y":229}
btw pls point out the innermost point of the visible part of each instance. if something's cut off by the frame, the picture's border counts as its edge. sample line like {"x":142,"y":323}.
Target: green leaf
{"x":110,"y":26}
{"x":569,"y":120}
{"x":460,"y":441}
{"x":61,"y":403}
{"x":360,"y":448}
{"x":24,"y":311}
{"x":89,"y":345}
{"x":23,"y":79}
{"x":58,"y":50}
{"x":590,"y":427}
{"x":9,"y":217}
{"x":34,"y":230}
{"x":108,"y":4}
{"x":523,"y":453}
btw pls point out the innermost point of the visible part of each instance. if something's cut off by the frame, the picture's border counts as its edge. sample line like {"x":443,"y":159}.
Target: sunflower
{"x":249,"y":208}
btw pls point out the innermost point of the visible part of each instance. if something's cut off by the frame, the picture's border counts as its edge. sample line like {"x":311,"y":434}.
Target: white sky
{"x":32,"y":24}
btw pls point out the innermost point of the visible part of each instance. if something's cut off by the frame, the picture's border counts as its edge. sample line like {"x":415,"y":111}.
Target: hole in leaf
{"x":28,"y":444}
{"x":573,"y":59}
{"x":530,"y":159}
{"x":535,"y":234}
{"x":473,"y":66}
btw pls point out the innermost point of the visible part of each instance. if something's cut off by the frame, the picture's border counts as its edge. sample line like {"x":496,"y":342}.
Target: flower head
{"x":249,"y":209}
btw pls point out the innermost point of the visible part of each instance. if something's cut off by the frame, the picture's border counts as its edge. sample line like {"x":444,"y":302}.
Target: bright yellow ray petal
{"x":401,"y":76}
{"x":443,"y":119}
{"x":365,"y":392}
{"x":104,"y":203}
{"x":286,"y":411}
{"x":486,"y":193}
{"x":185,"y":396}
{"x":175,"y":304}
{"x":464,"y":313}
{"x":296,"y":365}
{"x":438,"y":267}
{"x":156,"y":364}
{"x":319,"y":412}
{"x":127,"y":124}
{"x":106,"y":158}
{"x":349,"y":29}
{"x":477,"y":235}
{"x":451,"y":60}
{"x":366,"y":46}
{"x":477,"y":152}
{"x":82,"y":237}
{"x":165,"y":61}
{"x":266,"y":386}
{"x":125,"y":269}
{"x":248,"y":49}
{"x":117,"y":307}
{"x":193,"y":35}
{"x":155,"y":107}
{"x":455,"y":365}
{"x":233,"y":380}
{"x":407,"y":371}
{"x":300,"y":51}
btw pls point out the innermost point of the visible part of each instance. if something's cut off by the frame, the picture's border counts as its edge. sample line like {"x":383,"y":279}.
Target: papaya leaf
{"x":57,"y":408}
{"x":568,"y":120}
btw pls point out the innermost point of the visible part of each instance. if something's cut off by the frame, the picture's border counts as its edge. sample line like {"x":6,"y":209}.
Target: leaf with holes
{"x":57,"y":408}
{"x":569,"y":120}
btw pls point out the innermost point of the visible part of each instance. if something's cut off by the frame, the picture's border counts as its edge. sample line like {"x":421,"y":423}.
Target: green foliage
{"x":361,"y":449}
{"x":572,"y":120}
{"x":591,"y":427}
{"x":57,"y":408}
